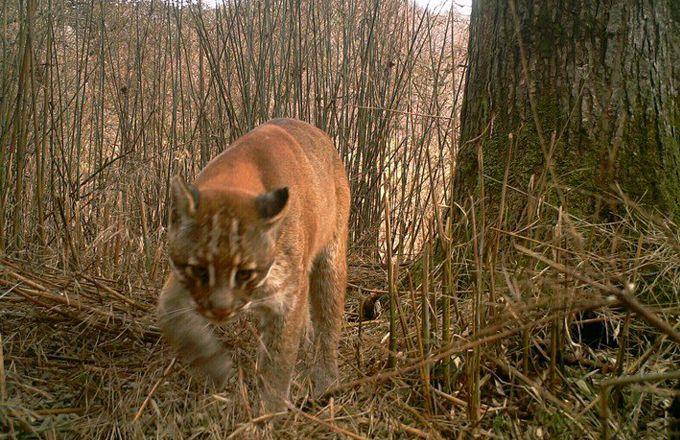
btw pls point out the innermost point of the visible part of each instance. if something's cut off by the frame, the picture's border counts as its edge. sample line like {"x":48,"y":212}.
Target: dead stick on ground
{"x":411,"y":430}
{"x":153,"y":389}
{"x":453,"y":348}
{"x":631,"y":303}
{"x":607,"y":385}
{"x":538,"y":390}
{"x":118,"y":295}
{"x":56,"y":411}
{"x":332,"y":427}
{"x":455,"y":400}
{"x":3,"y":389}
{"x":263,"y":418}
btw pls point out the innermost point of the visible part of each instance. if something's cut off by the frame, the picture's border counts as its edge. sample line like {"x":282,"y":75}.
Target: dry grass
{"x":552,"y":327}
{"x":82,"y":355}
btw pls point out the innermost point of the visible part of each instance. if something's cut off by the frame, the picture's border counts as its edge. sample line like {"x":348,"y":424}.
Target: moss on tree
{"x":602,"y":80}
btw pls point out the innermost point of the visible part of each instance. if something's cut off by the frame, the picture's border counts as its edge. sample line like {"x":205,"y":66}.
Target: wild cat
{"x":263,"y":229}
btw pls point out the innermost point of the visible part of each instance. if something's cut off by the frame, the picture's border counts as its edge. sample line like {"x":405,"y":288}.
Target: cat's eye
{"x":201,"y":273}
{"x":244,"y":275}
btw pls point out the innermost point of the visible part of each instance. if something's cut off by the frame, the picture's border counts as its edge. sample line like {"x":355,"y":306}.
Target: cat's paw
{"x":323,"y":380}
{"x":217,"y":368}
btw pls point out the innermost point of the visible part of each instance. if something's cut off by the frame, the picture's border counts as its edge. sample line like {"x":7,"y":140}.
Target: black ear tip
{"x":282,"y":194}
{"x":271,"y":204}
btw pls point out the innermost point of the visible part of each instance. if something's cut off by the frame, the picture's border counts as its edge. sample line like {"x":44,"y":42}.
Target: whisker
{"x":178,"y":311}
{"x":256,"y":302}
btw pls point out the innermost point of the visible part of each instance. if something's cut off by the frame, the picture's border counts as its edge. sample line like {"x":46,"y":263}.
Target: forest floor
{"x":83,"y":359}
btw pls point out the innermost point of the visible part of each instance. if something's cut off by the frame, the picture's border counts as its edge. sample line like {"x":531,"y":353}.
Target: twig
{"x":3,"y":389}
{"x":153,"y":389}
{"x":452,"y":349}
{"x":329,"y":425}
{"x":607,"y":385}
{"x":256,"y":420}
{"x":620,"y":294}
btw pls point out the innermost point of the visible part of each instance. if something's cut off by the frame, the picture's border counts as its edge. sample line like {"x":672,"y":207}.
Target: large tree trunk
{"x":599,"y":77}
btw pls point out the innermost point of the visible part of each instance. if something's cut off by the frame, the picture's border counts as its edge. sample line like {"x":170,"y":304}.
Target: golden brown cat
{"x":262,"y":229}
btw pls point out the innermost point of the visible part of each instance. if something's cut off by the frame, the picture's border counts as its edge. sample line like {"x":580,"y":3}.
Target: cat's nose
{"x":221,"y":313}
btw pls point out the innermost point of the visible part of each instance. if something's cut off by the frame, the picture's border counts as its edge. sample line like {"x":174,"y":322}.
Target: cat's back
{"x":280,"y":152}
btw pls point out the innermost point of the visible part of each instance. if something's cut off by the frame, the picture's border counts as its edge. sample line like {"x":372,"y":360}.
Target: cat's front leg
{"x":190,"y":334}
{"x":281,"y":334}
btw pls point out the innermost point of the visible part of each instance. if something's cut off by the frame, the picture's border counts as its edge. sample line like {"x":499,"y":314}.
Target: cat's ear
{"x":271,"y":206}
{"x":184,"y":201}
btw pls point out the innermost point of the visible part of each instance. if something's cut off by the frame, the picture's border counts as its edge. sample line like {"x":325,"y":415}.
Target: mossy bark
{"x":603,"y":77}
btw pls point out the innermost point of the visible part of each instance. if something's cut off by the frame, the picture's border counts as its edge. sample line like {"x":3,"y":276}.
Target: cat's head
{"x":222,"y":244}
